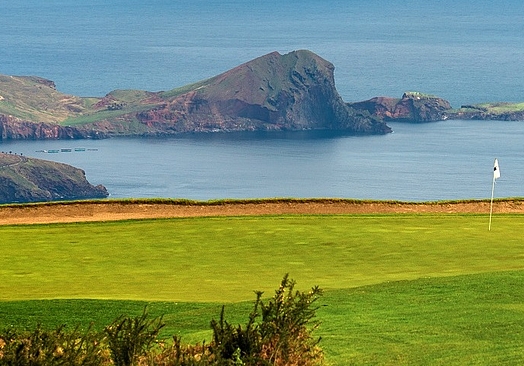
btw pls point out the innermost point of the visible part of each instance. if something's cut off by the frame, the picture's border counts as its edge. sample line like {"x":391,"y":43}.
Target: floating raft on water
{"x":76,"y":149}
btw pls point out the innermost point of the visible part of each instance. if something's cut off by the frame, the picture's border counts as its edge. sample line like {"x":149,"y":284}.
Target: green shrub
{"x":234,"y":343}
{"x":57,"y":347}
{"x":278,"y":332}
{"x":129,"y":338}
{"x":287,"y":325}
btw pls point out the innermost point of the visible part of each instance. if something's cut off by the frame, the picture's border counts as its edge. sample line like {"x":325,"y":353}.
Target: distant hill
{"x":295,"y":91}
{"x":34,"y":180}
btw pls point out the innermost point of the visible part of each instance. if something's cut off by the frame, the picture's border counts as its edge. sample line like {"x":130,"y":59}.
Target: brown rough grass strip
{"x":111,"y":210}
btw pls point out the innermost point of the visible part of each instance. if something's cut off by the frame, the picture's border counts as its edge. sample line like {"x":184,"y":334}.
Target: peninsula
{"x":274,"y":92}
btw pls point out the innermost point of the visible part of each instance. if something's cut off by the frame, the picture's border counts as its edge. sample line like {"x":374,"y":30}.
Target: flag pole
{"x":496,"y":175}
{"x":491,"y":205}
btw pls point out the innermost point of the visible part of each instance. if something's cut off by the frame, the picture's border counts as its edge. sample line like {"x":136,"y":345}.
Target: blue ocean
{"x":465,"y":52}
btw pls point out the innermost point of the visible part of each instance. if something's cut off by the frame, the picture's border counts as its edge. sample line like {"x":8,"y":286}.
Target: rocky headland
{"x":274,"y":92}
{"x":25,"y":180}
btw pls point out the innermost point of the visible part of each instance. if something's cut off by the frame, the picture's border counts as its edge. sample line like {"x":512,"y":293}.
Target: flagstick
{"x":491,"y":205}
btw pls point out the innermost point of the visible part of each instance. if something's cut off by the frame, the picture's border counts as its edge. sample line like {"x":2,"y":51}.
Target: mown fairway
{"x":225,"y":259}
{"x":445,"y":289}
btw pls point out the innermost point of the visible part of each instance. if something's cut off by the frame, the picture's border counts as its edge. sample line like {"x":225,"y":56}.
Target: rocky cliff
{"x":412,"y":107}
{"x":33,"y":180}
{"x":12,"y":128}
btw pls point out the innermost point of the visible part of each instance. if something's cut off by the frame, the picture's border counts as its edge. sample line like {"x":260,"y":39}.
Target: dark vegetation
{"x":279,"y":331}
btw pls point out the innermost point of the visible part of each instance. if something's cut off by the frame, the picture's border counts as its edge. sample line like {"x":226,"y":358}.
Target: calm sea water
{"x":466,"y":52}
{"x":438,"y":161}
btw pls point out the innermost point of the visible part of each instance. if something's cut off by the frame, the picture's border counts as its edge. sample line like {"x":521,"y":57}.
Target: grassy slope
{"x":96,"y":116}
{"x":472,"y":319}
{"x":30,"y":98}
{"x":451,"y":318}
{"x":463,"y":320}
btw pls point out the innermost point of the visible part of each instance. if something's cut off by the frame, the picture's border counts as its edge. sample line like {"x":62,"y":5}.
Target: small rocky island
{"x":415,"y":107}
{"x":25,"y":179}
{"x":412,"y":107}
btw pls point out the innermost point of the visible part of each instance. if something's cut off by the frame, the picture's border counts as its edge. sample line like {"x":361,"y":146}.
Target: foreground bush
{"x":278,"y":332}
{"x":282,"y":335}
{"x":56,"y":347}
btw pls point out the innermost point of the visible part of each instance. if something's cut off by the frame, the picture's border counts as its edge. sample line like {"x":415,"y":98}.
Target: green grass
{"x":12,"y":110}
{"x":503,"y":107}
{"x":463,"y":320}
{"x":189,"y":320}
{"x":102,"y":115}
{"x":401,"y":289}
{"x":185,"y":89}
{"x":189,"y":259}
{"x":129,"y":95}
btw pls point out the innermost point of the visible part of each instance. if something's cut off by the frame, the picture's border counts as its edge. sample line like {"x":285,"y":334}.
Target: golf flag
{"x":496,"y":170}
{"x":496,"y":175}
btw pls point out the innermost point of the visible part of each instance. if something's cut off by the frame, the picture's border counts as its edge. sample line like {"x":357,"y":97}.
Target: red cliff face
{"x":12,"y":128}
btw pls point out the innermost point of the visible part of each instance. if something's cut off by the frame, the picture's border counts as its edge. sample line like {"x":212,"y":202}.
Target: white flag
{"x":496,"y":170}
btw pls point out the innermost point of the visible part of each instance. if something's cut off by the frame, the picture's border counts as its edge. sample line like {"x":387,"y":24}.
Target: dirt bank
{"x":124,"y":210}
